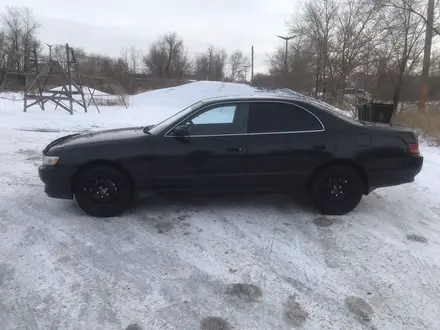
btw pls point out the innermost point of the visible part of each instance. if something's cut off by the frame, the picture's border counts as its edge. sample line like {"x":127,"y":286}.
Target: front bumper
{"x":57,"y":180}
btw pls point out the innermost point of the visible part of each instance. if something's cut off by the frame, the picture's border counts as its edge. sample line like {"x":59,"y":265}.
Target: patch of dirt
{"x":294,"y":314}
{"x":245,"y":292}
{"x":214,"y":323}
{"x":134,"y":326}
{"x":64,"y":259}
{"x":3,"y":226}
{"x":163,"y":227}
{"x":183,"y":217}
{"x":324,"y":222}
{"x":298,"y":285}
{"x":6,"y":273}
{"x":436,"y":210}
{"x":360,"y":308}
{"x":331,"y":262}
{"x":416,"y":238}
{"x":75,"y":287}
{"x":280,"y":231}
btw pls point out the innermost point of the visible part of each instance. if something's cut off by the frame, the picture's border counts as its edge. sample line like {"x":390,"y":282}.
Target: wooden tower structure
{"x":38,"y":73}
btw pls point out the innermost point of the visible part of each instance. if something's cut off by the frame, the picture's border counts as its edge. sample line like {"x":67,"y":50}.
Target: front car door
{"x":285,"y":144}
{"x":210,"y":158}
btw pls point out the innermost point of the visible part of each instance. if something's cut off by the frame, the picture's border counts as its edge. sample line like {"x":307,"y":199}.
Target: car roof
{"x":288,"y":96}
{"x":250,"y":98}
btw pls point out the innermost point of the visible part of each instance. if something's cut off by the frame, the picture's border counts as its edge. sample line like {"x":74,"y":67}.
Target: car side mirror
{"x":181,"y":131}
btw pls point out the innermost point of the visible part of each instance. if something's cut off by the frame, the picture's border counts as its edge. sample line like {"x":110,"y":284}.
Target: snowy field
{"x":266,"y":262}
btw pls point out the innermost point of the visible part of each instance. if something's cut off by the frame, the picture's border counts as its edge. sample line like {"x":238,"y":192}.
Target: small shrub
{"x":427,"y":123}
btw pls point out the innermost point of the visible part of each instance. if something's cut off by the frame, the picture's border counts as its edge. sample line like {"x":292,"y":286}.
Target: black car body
{"x":234,"y":144}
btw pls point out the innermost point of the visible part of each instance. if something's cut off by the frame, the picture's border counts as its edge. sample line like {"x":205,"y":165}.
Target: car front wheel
{"x":336,"y":190}
{"x":102,"y":191}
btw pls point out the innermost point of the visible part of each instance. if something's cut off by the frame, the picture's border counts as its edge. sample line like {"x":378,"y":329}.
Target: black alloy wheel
{"x":336,"y":189}
{"x":102,"y":191}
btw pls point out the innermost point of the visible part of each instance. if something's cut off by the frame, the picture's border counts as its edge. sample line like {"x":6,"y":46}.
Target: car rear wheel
{"x":336,"y":190}
{"x":102,"y":191}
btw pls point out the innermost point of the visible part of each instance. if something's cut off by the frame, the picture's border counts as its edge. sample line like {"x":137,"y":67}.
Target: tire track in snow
{"x":292,"y":274}
{"x":264,"y":247}
{"x":428,"y":276}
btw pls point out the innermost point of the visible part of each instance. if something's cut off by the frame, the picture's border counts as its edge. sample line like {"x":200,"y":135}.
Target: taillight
{"x":413,"y":148}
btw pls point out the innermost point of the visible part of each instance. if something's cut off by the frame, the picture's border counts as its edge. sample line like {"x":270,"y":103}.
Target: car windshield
{"x":156,"y":129}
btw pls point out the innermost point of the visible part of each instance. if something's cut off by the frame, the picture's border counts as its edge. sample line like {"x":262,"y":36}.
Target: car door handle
{"x":236,"y":149}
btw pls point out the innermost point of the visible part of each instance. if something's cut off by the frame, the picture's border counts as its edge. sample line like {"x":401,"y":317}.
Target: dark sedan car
{"x":234,"y":144}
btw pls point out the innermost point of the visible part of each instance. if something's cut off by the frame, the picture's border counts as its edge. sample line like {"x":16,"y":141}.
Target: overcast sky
{"x":106,"y":26}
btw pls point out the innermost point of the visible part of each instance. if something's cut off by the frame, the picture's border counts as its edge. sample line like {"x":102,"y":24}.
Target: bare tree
{"x":134,"y":56}
{"x":211,"y":64}
{"x":20,"y":29}
{"x":356,"y":34}
{"x":400,"y":52}
{"x":124,"y":54}
{"x":238,"y":66}
{"x":59,"y":54}
{"x":3,"y":50}
{"x":318,"y":24}
{"x":417,"y":8}
{"x":155,"y":60}
{"x":301,"y":65}
{"x":167,"y":58}
{"x":435,"y":63}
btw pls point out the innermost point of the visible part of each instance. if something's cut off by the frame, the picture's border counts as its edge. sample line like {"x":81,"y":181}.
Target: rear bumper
{"x":57,"y":181}
{"x":406,"y":173}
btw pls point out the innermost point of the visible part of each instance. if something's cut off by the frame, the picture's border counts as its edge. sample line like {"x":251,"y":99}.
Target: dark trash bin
{"x":376,"y":112}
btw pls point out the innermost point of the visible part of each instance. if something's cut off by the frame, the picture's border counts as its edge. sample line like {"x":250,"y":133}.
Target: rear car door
{"x":284,"y":145}
{"x":210,"y":158}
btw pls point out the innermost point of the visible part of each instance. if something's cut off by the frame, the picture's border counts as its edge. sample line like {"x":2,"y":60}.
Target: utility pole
{"x":50,"y":50}
{"x":252,"y":65}
{"x":286,"y":57}
{"x":426,"y":57}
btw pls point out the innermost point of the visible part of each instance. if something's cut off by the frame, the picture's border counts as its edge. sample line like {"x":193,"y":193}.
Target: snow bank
{"x":145,"y":109}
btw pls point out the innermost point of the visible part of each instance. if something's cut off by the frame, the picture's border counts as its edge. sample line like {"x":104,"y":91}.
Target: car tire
{"x":336,"y":189}
{"x":102,"y":191}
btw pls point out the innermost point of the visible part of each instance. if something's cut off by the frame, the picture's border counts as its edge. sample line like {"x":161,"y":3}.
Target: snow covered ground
{"x":266,"y":262}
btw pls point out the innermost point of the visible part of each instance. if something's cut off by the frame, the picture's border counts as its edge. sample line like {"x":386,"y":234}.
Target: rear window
{"x":271,"y":117}
{"x":344,"y":115}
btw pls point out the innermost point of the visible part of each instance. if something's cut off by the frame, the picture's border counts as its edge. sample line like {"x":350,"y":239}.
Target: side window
{"x":271,"y":117}
{"x":218,"y":120}
{"x":220,"y":115}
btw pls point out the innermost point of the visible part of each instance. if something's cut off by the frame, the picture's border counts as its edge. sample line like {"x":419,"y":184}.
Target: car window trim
{"x":244,"y":134}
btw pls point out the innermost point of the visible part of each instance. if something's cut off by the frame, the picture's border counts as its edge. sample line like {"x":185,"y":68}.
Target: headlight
{"x":50,"y":160}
